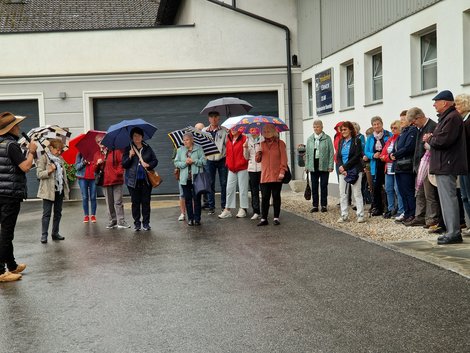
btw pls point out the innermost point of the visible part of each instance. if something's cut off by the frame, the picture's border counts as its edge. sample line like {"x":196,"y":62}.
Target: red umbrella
{"x":87,"y":146}
{"x":71,"y":154}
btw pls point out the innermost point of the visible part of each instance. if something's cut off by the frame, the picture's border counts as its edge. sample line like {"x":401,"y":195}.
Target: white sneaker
{"x":241,"y":213}
{"x":123,"y":225}
{"x":466,"y":231}
{"x":360,"y":219}
{"x":181,"y":217}
{"x":400,"y":217}
{"x":225,"y":214}
{"x":342,"y":219}
{"x":255,"y":216}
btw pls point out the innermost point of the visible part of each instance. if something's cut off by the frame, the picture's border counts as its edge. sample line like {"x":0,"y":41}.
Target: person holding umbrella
{"x":12,"y":191}
{"x":53,"y":188}
{"x":109,"y":161}
{"x":137,"y":158}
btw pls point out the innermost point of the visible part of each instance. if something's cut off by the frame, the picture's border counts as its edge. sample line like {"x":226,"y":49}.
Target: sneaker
{"x":241,"y":213}
{"x":225,"y":214}
{"x":123,"y":225}
{"x":137,"y":228}
{"x":93,"y":219}
{"x":466,"y":232}
{"x":276,"y":221}
{"x":211,"y":212}
{"x":19,"y":268}
{"x":324,"y":209}
{"x":181,"y":217}
{"x":255,"y":216}
{"x":360,"y":219}
{"x":342,"y":219}
{"x":86,"y":219}
{"x":400,"y":218}
{"x":9,"y":277}
{"x":147,"y":227}
{"x":111,"y":225}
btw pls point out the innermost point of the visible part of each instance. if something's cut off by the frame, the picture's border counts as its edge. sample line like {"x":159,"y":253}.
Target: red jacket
{"x":113,"y":170}
{"x":235,"y":160}
{"x":337,"y":138}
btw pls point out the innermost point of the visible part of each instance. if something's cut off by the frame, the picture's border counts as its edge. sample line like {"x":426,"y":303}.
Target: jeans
{"x":140,"y":199}
{"x":88,"y":189}
{"x":47,"y":206}
{"x":255,"y":178}
{"x":406,"y":188}
{"x":8,"y":216}
{"x":213,"y":167}
{"x":268,"y":189}
{"x":391,"y":188}
{"x":193,"y":209}
{"x":323,"y":178}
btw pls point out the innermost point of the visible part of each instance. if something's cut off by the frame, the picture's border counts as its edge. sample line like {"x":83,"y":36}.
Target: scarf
{"x":317,"y":144}
{"x":58,"y":173}
{"x":378,"y":143}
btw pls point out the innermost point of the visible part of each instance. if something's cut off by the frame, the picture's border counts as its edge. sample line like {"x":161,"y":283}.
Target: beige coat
{"x":46,"y":181}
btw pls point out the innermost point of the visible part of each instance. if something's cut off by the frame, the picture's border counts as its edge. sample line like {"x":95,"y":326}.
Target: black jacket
{"x":354,"y":157}
{"x":419,"y":148}
{"x":12,"y":178}
{"x":448,"y":145}
{"x":131,"y":164}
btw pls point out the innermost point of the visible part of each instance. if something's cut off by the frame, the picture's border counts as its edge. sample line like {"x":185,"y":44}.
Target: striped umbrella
{"x":203,"y":139}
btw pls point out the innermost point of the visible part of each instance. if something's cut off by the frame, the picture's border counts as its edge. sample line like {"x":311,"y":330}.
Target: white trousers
{"x":356,"y":192}
{"x":240,"y":178}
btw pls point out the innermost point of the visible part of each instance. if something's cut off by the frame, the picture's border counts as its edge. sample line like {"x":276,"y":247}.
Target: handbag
{"x":287,"y":176}
{"x":154,"y":178}
{"x":308,"y":190}
{"x":352,"y":176}
{"x":404,"y":165}
{"x":176,"y":173}
{"x":201,"y":182}
{"x":99,"y":177}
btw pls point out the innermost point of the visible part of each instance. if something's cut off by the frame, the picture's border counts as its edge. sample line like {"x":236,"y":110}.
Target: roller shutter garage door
{"x":170,"y":113}
{"x":28,"y":108}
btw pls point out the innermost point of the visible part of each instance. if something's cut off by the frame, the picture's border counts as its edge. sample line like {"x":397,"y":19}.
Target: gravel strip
{"x":375,"y":228}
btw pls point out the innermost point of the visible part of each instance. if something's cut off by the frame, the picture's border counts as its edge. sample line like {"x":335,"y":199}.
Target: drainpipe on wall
{"x":289,"y":70}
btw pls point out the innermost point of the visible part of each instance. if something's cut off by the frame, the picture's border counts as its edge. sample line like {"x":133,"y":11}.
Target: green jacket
{"x":199,"y":161}
{"x":326,"y":150}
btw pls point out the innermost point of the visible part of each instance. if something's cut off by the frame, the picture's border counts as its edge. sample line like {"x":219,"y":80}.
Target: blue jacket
{"x":369,"y":150}
{"x":405,"y":145}
{"x":131,"y":164}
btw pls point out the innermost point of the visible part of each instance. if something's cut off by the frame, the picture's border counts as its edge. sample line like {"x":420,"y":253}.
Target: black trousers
{"x":47,"y":206}
{"x":255,"y":178}
{"x":379,"y":182}
{"x":8,"y":216}
{"x":268,"y":189}
{"x":323,"y":178}
{"x":192,"y":201}
{"x":140,"y":198}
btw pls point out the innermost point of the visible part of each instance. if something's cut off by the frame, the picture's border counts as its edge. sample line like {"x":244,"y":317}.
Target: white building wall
{"x":398,"y":92}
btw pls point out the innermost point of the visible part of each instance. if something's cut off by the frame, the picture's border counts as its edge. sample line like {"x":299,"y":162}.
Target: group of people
{"x":417,"y":172}
{"x":256,"y":161}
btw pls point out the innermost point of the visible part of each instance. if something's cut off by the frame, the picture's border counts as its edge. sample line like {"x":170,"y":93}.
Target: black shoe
{"x":137,"y":228}
{"x":205,"y":206}
{"x":449,"y":240}
{"x":263,"y":223}
{"x":276,"y":222}
{"x":324,"y":209}
{"x":375,"y":212}
{"x":58,"y":237}
{"x":211,"y":211}
{"x":197,"y":223}
{"x":314,"y":209}
{"x":388,"y":215}
{"x":190,"y":223}
{"x":44,"y":239}
{"x":147,"y":227}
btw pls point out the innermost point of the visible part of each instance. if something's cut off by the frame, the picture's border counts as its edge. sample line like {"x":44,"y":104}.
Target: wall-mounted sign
{"x":324,"y":91}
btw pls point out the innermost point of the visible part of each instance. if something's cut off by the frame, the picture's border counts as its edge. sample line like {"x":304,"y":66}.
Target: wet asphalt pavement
{"x":227,"y":286}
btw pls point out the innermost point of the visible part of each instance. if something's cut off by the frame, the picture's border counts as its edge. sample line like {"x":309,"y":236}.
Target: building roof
{"x":18,"y":16}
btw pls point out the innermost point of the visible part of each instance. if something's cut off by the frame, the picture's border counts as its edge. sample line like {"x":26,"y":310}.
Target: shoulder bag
{"x":308,"y":190}
{"x":153,"y":177}
{"x":287,"y":174}
{"x":99,"y":173}
{"x":201,"y":182}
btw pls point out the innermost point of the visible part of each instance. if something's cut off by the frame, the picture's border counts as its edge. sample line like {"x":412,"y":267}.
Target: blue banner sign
{"x":324,"y":91}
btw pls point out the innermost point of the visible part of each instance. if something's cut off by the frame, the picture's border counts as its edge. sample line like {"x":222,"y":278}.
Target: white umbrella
{"x":231,"y":122}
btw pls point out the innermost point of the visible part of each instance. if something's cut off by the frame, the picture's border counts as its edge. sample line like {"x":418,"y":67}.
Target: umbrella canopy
{"x":254,"y":124}
{"x":227,"y":106}
{"x":43,"y":134}
{"x":231,"y":122}
{"x":71,"y":154}
{"x":203,"y":139}
{"x":118,"y":135}
{"x":87,"y":146}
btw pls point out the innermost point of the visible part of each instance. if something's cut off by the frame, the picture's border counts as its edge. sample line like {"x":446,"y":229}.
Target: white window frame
{"x":466,"y":47}
{"x":377,"y":76}
{"x":369,"y":77}
{"x":310,"y":101}
{"x":347,"y":85}
{"x":428,"y":63}
{"x":416,"y":61}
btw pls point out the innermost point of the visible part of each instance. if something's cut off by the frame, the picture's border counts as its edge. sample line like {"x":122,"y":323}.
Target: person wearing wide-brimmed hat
{"x":13,"y":166}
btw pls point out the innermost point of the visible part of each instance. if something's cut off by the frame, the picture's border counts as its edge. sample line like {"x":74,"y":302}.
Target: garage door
{"x":170,"y":113}
{"x":28,"y":108}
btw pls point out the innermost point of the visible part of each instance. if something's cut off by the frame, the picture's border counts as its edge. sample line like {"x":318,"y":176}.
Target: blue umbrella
{"x":118,"y":135}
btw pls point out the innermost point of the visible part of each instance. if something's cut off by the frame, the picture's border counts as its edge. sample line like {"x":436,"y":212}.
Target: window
{"x":466,"y":47}
{"x":429,"y":61}
{"x":377,"y":93}
{"x":350,"y":85}
{"x":310,"y":98}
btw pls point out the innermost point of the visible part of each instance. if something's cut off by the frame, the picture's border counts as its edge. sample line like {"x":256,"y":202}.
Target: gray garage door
{"x":28,"y":108}
{"x":170,"y":113}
